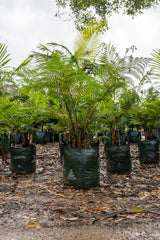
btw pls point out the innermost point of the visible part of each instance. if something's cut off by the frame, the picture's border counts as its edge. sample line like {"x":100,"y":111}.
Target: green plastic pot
{"x":23,"y":159}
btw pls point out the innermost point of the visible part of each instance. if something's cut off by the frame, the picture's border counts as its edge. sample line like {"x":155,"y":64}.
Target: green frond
{"x":88,"y":42}
{"x":155,"y":65}
{"x":4,"y":56}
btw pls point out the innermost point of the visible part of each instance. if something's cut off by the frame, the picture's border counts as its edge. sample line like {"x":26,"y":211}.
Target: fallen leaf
{"x":59,"y":195}
{"x":156,"y":178}
{"x":108,"y":199}
{"x":144,"y":195}
{"x":106,"y":208}
{"x":70,"y":219}
{"x":93,"y":220}
{"x":42,"y":192}
{"x":82,"y":210}
{"x":18,"y":196}
{"x":33,"y":224}
{"x":137,"y":210}
{"x":29,"y":186}
{"x":2,"y":177}
{"x":2,"y":194}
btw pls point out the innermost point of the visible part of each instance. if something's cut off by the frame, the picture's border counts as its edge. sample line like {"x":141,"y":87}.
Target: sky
{"x":24,"y":24}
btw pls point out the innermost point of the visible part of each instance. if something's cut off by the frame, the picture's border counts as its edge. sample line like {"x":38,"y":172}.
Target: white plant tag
{"x":71,"y":175}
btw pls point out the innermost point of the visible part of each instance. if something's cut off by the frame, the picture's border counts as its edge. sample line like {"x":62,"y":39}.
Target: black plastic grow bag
{"x":81,"y":167}
{"x":123,"y":139}
{"x":134,"y":136}
{"x":40,"y":137}
{"x":118,"y":158}
{"x":50,"y":136}
{"x":23,"y":159}
{"x":56,"y":136}
{"x":148,"y":151}
{"x":44,"y":137}
{"x":5,"y":143}
{"x":61,"y":149}
{"x":16,"y":138}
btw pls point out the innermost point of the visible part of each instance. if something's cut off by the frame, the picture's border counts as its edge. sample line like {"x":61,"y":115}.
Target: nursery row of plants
{"x":80,"y":94}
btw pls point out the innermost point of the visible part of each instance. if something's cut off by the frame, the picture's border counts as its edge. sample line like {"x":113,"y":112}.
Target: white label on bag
{"x":71,"y":175}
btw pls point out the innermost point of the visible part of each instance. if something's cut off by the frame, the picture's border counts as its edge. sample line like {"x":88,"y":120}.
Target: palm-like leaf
{"x":155,"y":66}
{"x":88,"y":42}
{"x":130,"y":68}
{"x":4,"y":56}
{"x":7,"y":84}
{"x":156,"y":60}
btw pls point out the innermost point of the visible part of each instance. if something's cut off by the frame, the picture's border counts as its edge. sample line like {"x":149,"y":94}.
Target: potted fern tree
{"x":147,"y":115}
{"x":117,"y":148}
{"x":75,"y":95}
{"x":118,"y":108}
{"x":7,"y":88}
{"x":20,"y":116}
{"x":19,"y":113}
{"x":77,"y":84}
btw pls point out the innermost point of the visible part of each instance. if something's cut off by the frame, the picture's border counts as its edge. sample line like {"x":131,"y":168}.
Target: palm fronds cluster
{"x":87,"y":91}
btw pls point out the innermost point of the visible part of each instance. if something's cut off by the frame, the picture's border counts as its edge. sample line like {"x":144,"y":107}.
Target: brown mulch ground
{"x":39,"y":206}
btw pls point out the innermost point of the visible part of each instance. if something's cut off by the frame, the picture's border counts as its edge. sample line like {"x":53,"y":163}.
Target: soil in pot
{"x":118,"y":159}
{"x":23,"y":159}
{"x":81,"y":167}
{"x":148,"y":151}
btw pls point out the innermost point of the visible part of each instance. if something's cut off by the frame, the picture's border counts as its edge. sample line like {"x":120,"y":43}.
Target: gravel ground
{"x":42,"y":199}
{"x":148,"y":231}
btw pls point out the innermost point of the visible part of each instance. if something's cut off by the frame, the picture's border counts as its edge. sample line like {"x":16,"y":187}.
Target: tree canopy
{"x":87,"y":11}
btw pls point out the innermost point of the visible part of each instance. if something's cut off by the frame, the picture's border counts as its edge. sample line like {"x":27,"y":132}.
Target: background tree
{"x":87,"y":11}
